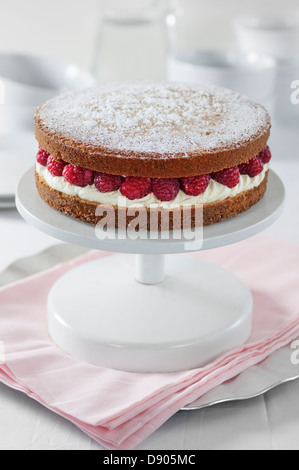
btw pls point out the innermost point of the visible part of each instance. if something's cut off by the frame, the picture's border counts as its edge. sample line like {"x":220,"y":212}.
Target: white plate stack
{"x":25,"y":83}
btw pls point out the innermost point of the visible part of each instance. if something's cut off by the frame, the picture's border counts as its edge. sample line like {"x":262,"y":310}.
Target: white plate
{"x":17,"y":152}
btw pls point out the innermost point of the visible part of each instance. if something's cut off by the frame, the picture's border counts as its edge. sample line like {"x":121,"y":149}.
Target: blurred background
{"x":138,"y":39}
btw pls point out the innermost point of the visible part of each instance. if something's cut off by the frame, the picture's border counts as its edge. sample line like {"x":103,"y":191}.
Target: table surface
{"x":267,"y":422}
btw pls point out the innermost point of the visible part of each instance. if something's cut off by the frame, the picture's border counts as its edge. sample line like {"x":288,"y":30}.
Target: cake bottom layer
{"x":123,"y":218}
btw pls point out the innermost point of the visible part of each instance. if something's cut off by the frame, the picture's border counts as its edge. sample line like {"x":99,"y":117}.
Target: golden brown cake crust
{"x":86,"y":211}
{"x":232,"y":130}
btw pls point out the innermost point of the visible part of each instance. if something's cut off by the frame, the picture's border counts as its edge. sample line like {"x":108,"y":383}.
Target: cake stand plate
{"x":157,"y":314}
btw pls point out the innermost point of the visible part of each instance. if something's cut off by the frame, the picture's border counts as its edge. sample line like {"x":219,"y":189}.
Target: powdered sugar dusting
{"x":163,"y":118}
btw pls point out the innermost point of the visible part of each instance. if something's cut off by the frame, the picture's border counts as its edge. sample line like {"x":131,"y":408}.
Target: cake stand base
{"x":114,"y":313}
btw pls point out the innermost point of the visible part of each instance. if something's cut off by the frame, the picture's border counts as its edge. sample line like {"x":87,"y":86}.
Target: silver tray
{"x":253,"y":382}
{"x":257,"y":380}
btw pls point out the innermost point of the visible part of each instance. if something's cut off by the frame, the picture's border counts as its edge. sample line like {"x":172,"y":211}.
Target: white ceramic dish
{"x":16,"y":119}
{"x":25,"y":82}
{"x":277,"y":35}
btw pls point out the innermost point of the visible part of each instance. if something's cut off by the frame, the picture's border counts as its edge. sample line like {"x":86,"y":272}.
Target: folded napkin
{"x":120,"y":409}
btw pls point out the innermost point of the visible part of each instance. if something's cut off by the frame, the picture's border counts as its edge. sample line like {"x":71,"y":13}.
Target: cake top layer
{"x":154,"y":129}
{"x":155,"y":118}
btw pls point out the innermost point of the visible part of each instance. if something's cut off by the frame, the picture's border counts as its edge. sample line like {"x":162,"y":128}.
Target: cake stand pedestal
{"x":156,"y":312}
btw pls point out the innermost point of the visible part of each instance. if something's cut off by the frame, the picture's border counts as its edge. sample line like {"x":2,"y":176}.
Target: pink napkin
{"x":120,"y":409}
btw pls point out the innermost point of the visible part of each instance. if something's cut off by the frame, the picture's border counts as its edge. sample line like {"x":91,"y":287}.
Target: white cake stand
{"x":159,"y":314}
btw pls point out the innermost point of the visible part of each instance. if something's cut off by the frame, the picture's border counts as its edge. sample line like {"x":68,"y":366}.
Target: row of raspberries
{"x":165,"y":189}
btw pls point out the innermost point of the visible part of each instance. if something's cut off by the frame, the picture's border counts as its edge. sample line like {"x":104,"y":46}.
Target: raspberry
{"x":195,"y":185}
{"x":78,"y":176}
{"x":229,"y":177}
{"x":165,"y":189}
{"x":265,"y":155}
{"x":42,"y":156}
{"x":135,"y":187}
{"x":107,"y":183}
{"x":253,"y":168}
{"x":55,"y":167}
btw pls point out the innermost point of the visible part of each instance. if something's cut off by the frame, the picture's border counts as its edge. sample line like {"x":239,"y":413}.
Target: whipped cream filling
{"x":214,"y":192}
